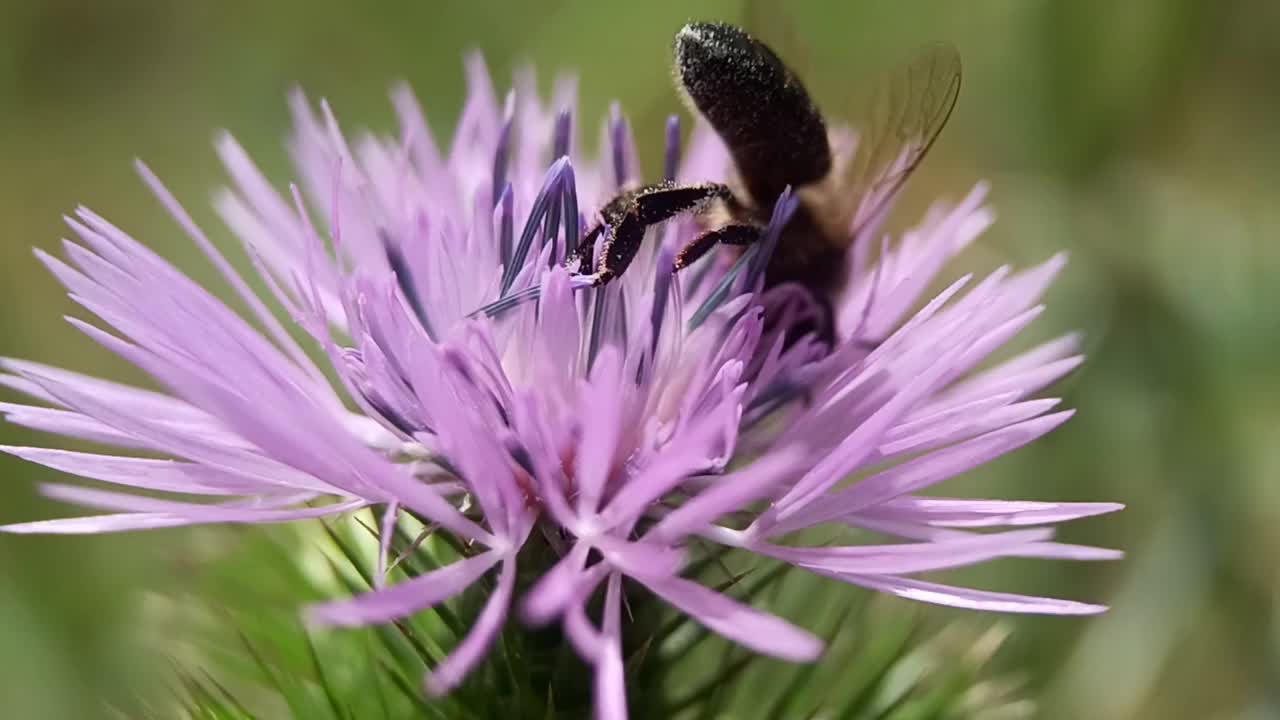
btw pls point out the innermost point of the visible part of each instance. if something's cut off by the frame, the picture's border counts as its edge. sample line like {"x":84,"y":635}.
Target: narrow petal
{"x":386,"y":530}
{"x":910,"y":557}
{"x":960,"y":512}
{"x":610,"y":681}
{"x":862,"y":440}
{"x":971,"y":599}
{"x":71,"y":424}
{"x":97,"y":524}
{"x":557,"y":586}
{"x":446,"y":676}
{"x":143,"y":473}
{"x":870,"y":520}
{"x":744,"y":625}
{"x":645,"y":558}
{"x":601,"y":425}
{"x":406,"y":598}
{"x":1024,"y":382}
{"x":920,"y":473}
{"x":260,"y":310}
{"x":685,"y":455}
{"x":126,"y":397}
{"x":264,"y":509}
{"x":729,"y":493}
{"x":972,"y":425}
{"x":178,"y":441}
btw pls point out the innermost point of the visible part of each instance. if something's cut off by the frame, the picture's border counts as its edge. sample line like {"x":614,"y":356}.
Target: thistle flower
{"x":486,"y":390}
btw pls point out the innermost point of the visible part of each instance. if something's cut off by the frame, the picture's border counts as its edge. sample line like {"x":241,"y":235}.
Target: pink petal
{"x":260,"y":310}
{"x":922,"y":472}
{"x":263,"y":509}
{"x":71,"y":424}
{"x":558,"y":586}
{"x":869,"y":520}
{"x":144,"y":473}
{"x":940,"y":434}
{"x":681,"y":458}
{"x":639,"y":557}
{"x":601,"y":409}
{"x":971,"y":599}
{"x":743,"y":624}
{"x":406,"y":598}
{"x":386,"y":530}
{"x":122,"y":396}
{"x":122,"y":522}
{"x":909,"y":557}
{"x":446,"y":676}
{"x":863,"y":439}
{"x":728,"y":493}
{"x":960,"y":512}
{"x":610,"y":683}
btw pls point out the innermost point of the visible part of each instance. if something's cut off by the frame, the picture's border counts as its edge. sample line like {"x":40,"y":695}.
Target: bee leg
{"x":727,"y":235}
{"x":629,"y":216}
{"x":619,"y":249}
{"x":662,"y":201}
{"x":582,"y":254}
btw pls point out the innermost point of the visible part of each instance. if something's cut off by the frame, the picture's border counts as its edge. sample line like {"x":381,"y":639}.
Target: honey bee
{"x":778,"y":138}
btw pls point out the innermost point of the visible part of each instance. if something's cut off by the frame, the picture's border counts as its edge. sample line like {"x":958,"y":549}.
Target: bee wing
{"x":772,"y":22}
{"x":897,"y":125}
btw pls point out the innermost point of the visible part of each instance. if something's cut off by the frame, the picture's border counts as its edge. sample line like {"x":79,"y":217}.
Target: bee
{"x":777,"y":138}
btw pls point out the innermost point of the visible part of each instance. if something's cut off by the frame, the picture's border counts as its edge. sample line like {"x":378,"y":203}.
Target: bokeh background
{"x":1143,"y":137}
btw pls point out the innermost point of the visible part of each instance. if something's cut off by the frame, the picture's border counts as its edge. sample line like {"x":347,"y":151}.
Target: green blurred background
{"x":1142,"y":136}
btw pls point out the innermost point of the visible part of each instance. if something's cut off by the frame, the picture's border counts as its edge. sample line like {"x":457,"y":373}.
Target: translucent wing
{"x":772,"y":22}
{"x":896,"y":126}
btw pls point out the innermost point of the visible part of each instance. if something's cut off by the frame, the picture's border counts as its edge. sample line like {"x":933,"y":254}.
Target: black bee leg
{"x":618,"y":250}
{"x":727,"y":235}
{"x":629,"y":216}
{"x":582,"y":253}
{"x":663,"y":201}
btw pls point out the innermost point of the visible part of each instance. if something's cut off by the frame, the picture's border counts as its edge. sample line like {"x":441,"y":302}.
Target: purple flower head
{"x":503,"y":400}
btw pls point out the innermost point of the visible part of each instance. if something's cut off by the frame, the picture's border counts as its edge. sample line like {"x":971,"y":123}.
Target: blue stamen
{"x":505,"y":220}
{"x":550,"y":187}
{"x":404,"y":279}
{"x":551,"y":228}
{"x":620,"y":326}
{"x":501,"y":155}
{"x":508,"y":302}
{"x":783,"y":209}
{"x":617,"y":142}
{"x":671,"y":162}
{"x":563,"y":133}
{"x":661,"y":289}
{"x":721,"y":291}
{"x":599,"y":314}
{"x":572,"y":219}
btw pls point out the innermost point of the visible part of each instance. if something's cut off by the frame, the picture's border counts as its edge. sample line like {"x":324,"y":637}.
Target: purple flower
{"x":613,"y":425}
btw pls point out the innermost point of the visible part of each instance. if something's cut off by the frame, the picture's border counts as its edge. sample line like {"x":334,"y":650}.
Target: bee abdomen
{"x":757,"y":106}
